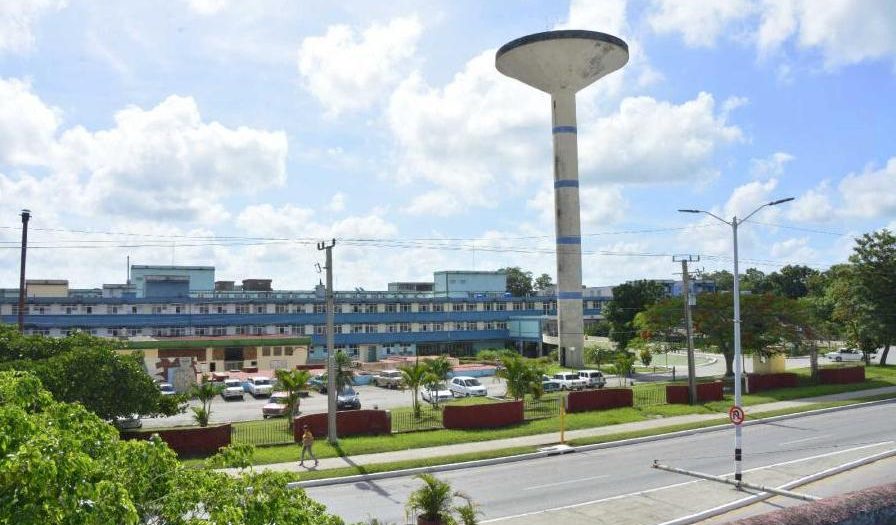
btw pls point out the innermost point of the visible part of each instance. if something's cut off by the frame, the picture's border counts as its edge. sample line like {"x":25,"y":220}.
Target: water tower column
{"x":570,"y":326}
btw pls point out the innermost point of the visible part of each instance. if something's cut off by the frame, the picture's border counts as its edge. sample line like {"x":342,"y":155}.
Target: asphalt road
{"x":515,"y":488}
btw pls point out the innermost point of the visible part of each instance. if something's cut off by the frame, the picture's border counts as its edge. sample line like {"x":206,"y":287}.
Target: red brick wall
{"x":602,"y":399}
{"x":189,"y":441}
{"x":760,"y":382}
{"x":839,"y":376}
{"x":348,"y":423}
{"x":489,"y":415}
{"x":678,"y":394}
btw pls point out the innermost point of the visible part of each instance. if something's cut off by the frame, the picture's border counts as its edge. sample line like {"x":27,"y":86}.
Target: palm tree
{"x":438,"y":369}
{"x":521,"y":377}
{"x":204,"y":392}
{"x":344,"y":373}
{"x":415,"y":376}
{"x":293,"y":382}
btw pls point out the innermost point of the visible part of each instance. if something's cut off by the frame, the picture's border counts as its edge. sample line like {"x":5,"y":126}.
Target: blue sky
{"x":218,"y":132}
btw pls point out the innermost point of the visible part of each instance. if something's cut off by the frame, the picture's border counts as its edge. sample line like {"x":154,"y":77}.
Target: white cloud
{"x":653,"y":141}
{"x":746,"y":198}
{"x":700,"y":22}
{"x":600,"y":205}
{"x":337,"y":202}
{"x":771,"y":166}
{"x":27,"y":125}
{"x":208,"y":7}
{"x":17,"y":18}
{"x":812,"y":206}
{"x":796,"y":251}
{"x":608,"y":16}
{"x":346,"y":71}
{"x":439,"y":203}
{"x":870,"y":193}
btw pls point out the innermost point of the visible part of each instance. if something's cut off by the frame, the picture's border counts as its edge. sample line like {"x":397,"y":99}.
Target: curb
{"x":583,"y":448}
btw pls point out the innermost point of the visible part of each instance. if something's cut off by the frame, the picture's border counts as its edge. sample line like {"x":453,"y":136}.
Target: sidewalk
{"x":552,"y":438}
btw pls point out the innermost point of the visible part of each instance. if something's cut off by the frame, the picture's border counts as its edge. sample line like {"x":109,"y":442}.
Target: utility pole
{"x":26,"y":216}
{"x":331,"y":354}
{"x":686,"y":294}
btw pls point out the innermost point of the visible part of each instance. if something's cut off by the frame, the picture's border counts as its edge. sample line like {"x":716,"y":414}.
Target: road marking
{"x":803,"y":440}
{"x":648,"y":491}
{"x":565,"y":482}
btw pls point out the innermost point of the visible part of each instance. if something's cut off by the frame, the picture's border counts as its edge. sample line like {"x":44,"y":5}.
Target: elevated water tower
{"x":561,"y":63}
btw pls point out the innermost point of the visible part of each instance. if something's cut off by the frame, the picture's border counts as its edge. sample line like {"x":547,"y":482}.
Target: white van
{"x":593,"y":378}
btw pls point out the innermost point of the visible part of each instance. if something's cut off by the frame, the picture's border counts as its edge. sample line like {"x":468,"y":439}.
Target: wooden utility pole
{"x":686,"y":295}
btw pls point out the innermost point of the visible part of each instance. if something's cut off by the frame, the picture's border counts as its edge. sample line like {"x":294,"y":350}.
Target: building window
{"x":320,"y":329}
{"x":472,"y":325}
{"x":114,"y":310}
{"x":457,"y":307}
{"x":68,"y":310}
{"x":281,"y":309}
{"x":391,"y":328}
{"x":178,"y":308}
{"x":258,"y":330}
{"x":370,"y":308}
{"x":133,"y":309}
{"x":357,"y":328}
{"x":390,"y":308}
{"x":489,"y":306}
{"x":517,"y":306}
{"x":278,"y":351}
{"x":200,"y":330}
{"x":265,"y":351}
{"x":241,"y":330}
{"x":438,"y":307}
{"x":490,"y":325}
{"x":471,"y":307}
{"x":297,"y":330}
{"x":203,"y":308}
{"x":283,"y":329}
{"x":337,"y":328}
{"x":437,"y":327}
{"x":134,"y":331}
{"x":404,"y":327}
{"x":242,"y":308}
{"x":353,"y":350}
{"x":501,"y":325}
{"x":261,"y":309}
{"x":219,"y":331}
{"x":423,"y":307}
{"x":530,"y":305}
{"x":500,"y":307}
{"x":370,"y":329}
{"x":404,"y":307}
{"x":320,"y":308}
{"x":220,"y":309}
{"x":287,"y":350}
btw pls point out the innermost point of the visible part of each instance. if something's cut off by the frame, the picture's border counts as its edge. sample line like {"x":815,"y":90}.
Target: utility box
{"x":772,"y":364}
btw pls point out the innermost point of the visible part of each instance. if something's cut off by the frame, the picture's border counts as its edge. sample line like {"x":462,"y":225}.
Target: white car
{"x":593,"y":378}
{"x":167,"y":389}
{"x":438,"y":394}
{"x":259,"y":386}
{"x":233,"y":389}
{"x":464,"y":386}
{"x":277,"y":405}
{"x":845,"y":354}
{"x":569,"y":381}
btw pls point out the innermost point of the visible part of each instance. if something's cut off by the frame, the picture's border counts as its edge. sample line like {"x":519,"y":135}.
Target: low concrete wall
{"x":760,"y":382}
{"x":189,"y":441}
{"x":348,"y":423}
{"x":488,"y":415}
{"x":840,"y":376}
{"x":678,"y":394}
{"x":585,"y":400}
{"x":872,"y":506}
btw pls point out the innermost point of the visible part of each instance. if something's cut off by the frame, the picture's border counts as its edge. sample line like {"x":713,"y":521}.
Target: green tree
{"x":792,"y":281}
{"x":415,"y":376}
{"x":60,"y":463}
{"x":344,"y":374}
{"x":519,"y":282}
{"x":437,"y":372}
{"x":629,"y":299}
{"x":645,"y":355}
{"x":293,"y":382}
{"x":723,"y":280}
{"x":204,"y":392}
{"x":755,"y":281}
{"x":599,"y":329}
{"x":521,"y":377}
{"x":622,"y":367}
{"x":88,"y":370}
{"x":874,"y":279}
{"x":543,"y":282}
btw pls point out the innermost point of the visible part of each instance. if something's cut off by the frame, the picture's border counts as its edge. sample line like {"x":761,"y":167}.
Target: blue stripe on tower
{"x":569,"y":295}
{"x":567,"y":183}
{"x":572,"y":239}
{"x":564,"y":129}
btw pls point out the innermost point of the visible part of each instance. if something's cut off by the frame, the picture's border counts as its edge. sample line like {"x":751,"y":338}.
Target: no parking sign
{"x":736,"y":414}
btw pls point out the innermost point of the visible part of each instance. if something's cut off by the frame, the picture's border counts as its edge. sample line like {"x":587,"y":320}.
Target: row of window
{"x":317,"y":308}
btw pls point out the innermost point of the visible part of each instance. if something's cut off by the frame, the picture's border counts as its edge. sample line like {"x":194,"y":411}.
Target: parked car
{"x":348,"y":399}
{"x":319,"y":383}
{"x":464,"y":386}
{"x":167,"y":389}
{"x":437,"y":394}
{"x":259,"y":386}
{"x":569,"y":381}
{"x":845,"y":354}
{"x":233,"y":389}
{"x":277,"y":405}
{"x":388,"y":379}
{"x":128,"y":422}
{"x":549,"y":385}
{"x":593,"y":378}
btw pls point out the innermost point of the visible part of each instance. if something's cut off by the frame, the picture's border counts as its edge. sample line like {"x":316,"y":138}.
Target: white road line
{"x":803,"y":440}
{"x":640,"y":492}
{"x":565,"y":482}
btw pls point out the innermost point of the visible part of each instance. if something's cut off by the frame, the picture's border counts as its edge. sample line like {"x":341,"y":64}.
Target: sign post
{"x":736,"y":414}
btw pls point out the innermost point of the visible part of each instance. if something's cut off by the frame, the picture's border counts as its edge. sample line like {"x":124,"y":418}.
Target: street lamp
{"x":738,"y":365}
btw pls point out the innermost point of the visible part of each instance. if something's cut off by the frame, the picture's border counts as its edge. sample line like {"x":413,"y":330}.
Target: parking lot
{"x":250,"y":408}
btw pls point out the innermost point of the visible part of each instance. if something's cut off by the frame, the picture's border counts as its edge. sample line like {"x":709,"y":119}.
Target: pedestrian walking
{"x":307,"y":445}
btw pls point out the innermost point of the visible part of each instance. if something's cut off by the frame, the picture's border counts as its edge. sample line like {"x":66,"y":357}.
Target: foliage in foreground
{"x":59,"y":463}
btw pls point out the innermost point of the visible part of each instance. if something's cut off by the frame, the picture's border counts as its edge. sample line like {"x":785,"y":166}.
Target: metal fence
{"x":404,"y":420}
{"x":647,"y":394}
{"x":548,"y":406}
{"x":265,"y":432}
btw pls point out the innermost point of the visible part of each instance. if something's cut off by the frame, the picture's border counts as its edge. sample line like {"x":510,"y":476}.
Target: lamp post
{"x":738,"y":364}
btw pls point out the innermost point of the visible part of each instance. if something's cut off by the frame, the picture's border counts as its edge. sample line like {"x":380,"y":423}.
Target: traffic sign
{"x":736,"y":414}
